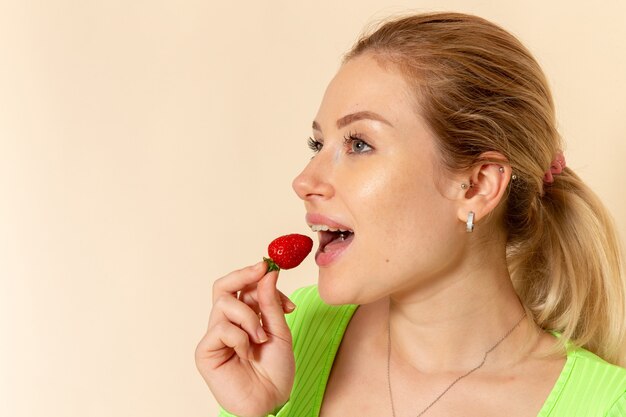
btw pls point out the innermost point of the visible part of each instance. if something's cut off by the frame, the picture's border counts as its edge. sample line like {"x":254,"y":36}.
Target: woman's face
{"x":374,"y":175}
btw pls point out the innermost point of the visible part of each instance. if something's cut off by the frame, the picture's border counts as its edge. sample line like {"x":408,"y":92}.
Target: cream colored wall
{"x":147,"y":148}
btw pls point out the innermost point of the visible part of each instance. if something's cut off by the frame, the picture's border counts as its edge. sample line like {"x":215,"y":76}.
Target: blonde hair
{"x":479,"y":89}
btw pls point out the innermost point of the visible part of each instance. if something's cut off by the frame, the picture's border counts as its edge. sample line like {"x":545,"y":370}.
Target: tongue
{"x":338,"y":242}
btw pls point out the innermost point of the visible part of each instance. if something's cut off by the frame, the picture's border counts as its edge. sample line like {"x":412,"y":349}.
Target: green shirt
{"x":587,"y":386}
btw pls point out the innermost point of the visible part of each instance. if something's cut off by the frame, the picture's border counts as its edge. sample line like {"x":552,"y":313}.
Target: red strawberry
{"x":288,"y":251}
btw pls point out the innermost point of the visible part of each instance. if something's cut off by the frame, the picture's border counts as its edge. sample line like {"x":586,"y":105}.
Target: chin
{"x":332,"y":293}
{"x":335,"y":290}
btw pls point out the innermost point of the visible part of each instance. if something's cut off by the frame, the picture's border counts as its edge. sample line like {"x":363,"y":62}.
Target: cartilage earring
{"x":469,"y":225}
{"x":466,"y":186}
{"x":501,"y":169}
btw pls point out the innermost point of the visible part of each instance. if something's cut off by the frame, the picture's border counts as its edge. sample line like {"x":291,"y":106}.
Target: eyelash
{"x":351,"y":138}
{"x":314,"y":145}
{"x":348,"y":140}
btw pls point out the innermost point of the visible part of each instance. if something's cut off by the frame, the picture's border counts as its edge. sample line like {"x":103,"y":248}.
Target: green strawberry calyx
{"x":271,"y":265}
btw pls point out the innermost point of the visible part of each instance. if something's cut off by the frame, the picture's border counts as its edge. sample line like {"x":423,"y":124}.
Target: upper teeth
{"x":323,"y":227}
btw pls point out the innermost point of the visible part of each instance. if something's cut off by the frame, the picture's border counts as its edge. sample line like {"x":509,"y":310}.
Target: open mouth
{"x":331,"y":240}
{"x":334,"y":238}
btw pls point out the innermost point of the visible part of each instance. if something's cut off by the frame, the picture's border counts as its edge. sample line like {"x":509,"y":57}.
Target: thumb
{"x":270,"y":304}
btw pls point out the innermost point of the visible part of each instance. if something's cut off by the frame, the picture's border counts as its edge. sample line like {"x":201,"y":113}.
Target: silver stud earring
{"x":469,"y":225}
{"x":501,"y":169}
{"x":513,"y":177}
{"x":465,"y":186}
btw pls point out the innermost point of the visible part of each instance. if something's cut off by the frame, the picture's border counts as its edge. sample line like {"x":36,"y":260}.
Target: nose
{"x":314,"y":182}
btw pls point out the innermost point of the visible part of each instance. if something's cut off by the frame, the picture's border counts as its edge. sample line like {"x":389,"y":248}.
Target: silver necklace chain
{"x":466,"y":374}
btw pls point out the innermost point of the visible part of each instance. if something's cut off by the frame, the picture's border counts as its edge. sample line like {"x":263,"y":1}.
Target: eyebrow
{"x":353,"y":117}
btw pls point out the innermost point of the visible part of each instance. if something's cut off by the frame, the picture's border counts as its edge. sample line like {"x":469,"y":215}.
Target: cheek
{"x":405,"y":230}
{"x":417,"y":220}
{"x":406,"y":223}
{"x":398,"y":201}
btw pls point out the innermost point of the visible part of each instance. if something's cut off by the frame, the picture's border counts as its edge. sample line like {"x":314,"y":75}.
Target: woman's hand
{"x":246,"y":357}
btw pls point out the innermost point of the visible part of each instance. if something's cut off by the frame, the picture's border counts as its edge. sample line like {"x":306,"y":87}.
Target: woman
{"x":463,"y":268}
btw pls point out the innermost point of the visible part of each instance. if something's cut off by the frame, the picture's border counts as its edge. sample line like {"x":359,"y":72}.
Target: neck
{"x":449,"y":326}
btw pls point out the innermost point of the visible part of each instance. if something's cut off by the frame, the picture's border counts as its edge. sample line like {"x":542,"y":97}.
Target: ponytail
{"x":567,"y":268}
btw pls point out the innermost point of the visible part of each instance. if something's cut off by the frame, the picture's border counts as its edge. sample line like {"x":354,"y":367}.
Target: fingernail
{"x":290,"y":306}
{"x":261,"y":335}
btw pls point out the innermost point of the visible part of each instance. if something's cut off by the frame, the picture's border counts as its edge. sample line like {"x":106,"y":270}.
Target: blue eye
{"x":356,"y":144}
{"x":314,"y":145}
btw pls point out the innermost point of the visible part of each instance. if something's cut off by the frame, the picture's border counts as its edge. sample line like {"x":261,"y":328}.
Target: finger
{"x":232,"y":310}
{"x":288,"y":305}
{"x":251,"y":299}
{"x":225,"y":334}
{"x":269,"y":303}
{"x":237,"y":280}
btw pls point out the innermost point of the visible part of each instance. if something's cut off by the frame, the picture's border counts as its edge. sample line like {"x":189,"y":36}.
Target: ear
{"x":487,"y":183}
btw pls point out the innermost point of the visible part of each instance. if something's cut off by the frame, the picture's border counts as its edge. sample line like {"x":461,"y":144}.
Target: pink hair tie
{"x":556,"y":167}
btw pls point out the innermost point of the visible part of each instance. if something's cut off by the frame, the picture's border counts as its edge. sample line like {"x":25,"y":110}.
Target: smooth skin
{"x":445,"y":292}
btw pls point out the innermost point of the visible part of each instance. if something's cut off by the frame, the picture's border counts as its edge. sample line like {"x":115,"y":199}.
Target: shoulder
{"x":317,"y":329}
{"x":590,"y":386}
{"x":594,"y":369}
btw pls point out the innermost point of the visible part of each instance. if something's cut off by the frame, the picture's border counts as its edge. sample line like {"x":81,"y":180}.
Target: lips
{"x":334,"y":238}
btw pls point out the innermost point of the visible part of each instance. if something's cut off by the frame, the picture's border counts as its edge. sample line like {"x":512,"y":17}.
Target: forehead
{"x":364,"y":84}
